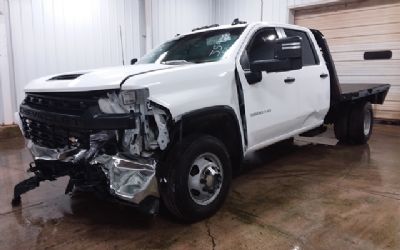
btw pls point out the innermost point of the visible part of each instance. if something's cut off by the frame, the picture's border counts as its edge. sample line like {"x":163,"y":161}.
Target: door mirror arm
{"x":133,"y":61}
{"x":253,"y":77}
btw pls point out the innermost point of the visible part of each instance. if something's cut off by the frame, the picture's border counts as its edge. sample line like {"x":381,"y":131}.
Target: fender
{"x":218,"y":121}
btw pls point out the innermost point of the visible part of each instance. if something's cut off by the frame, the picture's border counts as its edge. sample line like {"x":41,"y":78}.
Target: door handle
{"x":323,"y":75}
{"x":290,"y":80}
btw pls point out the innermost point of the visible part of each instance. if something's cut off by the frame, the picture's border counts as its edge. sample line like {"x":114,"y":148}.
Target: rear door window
{"x":309,"y":55}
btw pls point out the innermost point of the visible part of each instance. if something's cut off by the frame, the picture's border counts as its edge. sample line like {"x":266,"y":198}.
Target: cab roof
{"x":252,"y":24}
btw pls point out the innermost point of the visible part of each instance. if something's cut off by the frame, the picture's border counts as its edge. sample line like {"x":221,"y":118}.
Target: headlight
{"x":128,"y":97}
{"x":123,"y":103}
{"x":111,"y":105}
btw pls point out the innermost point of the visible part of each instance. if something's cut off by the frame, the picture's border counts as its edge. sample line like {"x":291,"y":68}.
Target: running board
{"x":314,"y":132}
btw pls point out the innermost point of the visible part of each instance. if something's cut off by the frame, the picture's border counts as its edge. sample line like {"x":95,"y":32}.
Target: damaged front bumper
{"x":118,"y":178}
{"x":129,"y":179}
{"x":111,"y":146}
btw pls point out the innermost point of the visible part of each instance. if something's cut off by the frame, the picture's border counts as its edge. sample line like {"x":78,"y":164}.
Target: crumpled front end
{"x":130,"y":179}
{"x":109,"y":142}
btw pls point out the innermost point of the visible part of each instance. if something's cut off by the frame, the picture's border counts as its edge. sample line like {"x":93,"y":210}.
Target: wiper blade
{"x":176,"y":62}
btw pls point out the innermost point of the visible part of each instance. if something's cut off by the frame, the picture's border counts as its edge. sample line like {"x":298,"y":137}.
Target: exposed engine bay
{"x":114,"y":152}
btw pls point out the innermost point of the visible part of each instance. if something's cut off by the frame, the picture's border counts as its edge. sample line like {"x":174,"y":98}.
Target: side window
{"x":309,"y":56}
{"x":261,"y":47}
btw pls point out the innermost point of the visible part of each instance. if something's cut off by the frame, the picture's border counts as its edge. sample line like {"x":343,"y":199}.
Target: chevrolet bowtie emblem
{"x":73,"y":139}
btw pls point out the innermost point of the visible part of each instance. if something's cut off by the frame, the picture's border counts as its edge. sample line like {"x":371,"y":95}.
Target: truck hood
{"x":179,"y":88}
{"x":88,"y":80}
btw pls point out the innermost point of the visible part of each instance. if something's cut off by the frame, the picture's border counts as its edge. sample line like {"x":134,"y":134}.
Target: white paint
{"x":97,"y":79}
{"x":287,"y":109}
{"x":55,"y":36}
{"x":50,"y":36}
{"x":294,"y":108}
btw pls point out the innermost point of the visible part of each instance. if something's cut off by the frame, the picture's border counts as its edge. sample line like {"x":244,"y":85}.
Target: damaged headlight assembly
{"x":126,"y":158}
{"x":132,"y":172}
{"x":150,"y":132}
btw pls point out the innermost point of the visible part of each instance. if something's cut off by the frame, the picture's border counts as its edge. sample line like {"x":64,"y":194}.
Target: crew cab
{"x":175,"y":126}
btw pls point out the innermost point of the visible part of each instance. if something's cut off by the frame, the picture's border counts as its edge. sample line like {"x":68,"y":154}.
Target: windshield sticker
{"x":219,"y":39}
{"x":224,"y":38}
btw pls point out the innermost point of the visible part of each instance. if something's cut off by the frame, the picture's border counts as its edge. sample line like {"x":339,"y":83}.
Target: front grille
{"x":52,"y":137}
{"x":67,"y":103}
{"x":56,"y":120}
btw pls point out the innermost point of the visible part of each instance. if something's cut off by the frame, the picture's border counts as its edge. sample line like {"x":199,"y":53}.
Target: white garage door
{"x":365,"y":42}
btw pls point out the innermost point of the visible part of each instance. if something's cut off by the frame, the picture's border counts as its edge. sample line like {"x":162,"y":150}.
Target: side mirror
{"x":288,"y":56}
{"x":133,"y":61}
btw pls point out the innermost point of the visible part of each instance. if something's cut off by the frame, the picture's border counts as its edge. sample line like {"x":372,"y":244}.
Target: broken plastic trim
{"x":42,"y":153}
{"x":147,"y":136}
{"x":129,"y":175}
{"x":130,"y":179}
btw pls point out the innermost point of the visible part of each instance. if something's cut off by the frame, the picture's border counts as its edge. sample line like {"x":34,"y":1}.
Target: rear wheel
{"x":355,"y":126}
{"x":361,"y":123}
{"x":198,"y":178}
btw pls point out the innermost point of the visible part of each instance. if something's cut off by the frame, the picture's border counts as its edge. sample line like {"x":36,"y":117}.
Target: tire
{"x":341,"y":129}
{"x":361,"y":123}
{"x":188,"y":162}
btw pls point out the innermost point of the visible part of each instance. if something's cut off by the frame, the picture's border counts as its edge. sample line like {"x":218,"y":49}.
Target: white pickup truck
{"x":174,"y":126}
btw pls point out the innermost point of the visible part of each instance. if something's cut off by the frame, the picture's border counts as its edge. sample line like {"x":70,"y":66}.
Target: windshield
{"x":200,"y":47}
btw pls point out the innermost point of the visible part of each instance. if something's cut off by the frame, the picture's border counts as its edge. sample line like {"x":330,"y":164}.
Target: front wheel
{"x":198,"y":178}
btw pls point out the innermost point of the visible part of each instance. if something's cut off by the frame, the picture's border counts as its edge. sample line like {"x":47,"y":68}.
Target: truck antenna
{"x":262,"y":10}
{"x":122,"y":45}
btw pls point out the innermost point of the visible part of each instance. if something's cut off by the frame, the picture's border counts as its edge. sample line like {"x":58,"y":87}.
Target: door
{"x":271,"y":102}
{"x":312,"y":83}
{"x":364,"y":40}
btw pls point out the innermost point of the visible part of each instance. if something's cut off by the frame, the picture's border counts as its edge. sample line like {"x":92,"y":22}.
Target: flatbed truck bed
{"x":351,"y":92}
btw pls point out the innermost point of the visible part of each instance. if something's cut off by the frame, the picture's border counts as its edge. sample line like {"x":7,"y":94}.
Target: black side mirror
{"x":288,"y":56}
{"x":133,"y":61}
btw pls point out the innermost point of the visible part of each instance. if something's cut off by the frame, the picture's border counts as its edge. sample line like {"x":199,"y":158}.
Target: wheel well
{"x":220,"y":122}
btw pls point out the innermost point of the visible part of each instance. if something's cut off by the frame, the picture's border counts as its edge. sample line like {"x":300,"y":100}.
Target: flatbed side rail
{"x":356,"y":93}
{"x":374,"y":93}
